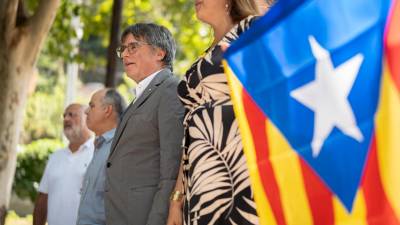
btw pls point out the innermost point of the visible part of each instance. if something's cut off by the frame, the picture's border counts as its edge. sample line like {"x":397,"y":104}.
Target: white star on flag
{"x":327,"y":96}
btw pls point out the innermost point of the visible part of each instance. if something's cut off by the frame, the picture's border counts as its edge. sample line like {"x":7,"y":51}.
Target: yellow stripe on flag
{"x":287,"y":169}
{"x":263,"y":207}
{"x":388,"y":140}
{"x":358,"y":215}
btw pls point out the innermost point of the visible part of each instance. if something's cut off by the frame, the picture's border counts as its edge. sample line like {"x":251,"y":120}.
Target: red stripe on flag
{"x":379,"y":210}
{"x":257,"y":123}
{"x":392,"y":43}
{"x":319,"y":196}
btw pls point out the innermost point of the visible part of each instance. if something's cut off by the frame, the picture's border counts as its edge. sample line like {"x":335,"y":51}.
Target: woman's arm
{"x":175,"y":215}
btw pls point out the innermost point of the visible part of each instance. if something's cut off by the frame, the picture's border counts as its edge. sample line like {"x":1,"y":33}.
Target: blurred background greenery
{"x":14,"y":219}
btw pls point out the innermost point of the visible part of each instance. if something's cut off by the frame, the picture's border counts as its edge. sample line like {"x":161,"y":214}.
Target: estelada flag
{"x":316,"y":91}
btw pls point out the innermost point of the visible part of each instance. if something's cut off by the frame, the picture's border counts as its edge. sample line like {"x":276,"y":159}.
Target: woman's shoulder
{"x":239,"y":28}
{"x":246,"y":23}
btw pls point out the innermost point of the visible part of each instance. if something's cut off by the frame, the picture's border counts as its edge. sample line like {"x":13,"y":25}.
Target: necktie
{"x":98,"y":142}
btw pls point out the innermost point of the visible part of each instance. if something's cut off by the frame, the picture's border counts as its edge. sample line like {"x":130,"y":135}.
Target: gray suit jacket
{"x":145,"y":155}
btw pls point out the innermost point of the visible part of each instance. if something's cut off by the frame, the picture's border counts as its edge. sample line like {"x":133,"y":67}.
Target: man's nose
{"x":124,"y":53}
{"x":66,"y":118}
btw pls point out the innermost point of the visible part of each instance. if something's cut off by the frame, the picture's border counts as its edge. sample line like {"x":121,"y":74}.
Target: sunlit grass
{"x":14,"y":219}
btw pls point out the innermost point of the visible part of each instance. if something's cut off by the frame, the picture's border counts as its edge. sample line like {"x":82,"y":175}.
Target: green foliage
{"x":30,"y":166}
{"x":62,"y":33}
{"x":191,"y":36}
{"x":178,"y":16}
{"x":58,"y":44}
{"x":45,"y":106}
{"x":125,"y":88}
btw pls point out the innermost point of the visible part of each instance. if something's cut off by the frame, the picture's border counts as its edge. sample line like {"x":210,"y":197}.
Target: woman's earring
{"x":227,"y":8}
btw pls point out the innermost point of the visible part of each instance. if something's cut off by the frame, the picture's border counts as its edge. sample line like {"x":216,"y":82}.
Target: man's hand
{"x":40,"y":211}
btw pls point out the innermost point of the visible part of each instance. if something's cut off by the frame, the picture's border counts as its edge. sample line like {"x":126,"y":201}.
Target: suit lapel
{"x":130,"y":111}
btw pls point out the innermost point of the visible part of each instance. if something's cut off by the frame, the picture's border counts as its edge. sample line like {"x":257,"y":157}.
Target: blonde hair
{"x":240,"y":9}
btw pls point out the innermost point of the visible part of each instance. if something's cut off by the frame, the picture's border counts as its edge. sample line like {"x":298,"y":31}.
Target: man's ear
{"x":160,"y":54}
{"x":108,"y":110}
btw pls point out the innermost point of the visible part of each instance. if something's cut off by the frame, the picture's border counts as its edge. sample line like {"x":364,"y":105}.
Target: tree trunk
{"x":13,"y":91}
{"x":21,"y":38}
{"x":111,"y":77}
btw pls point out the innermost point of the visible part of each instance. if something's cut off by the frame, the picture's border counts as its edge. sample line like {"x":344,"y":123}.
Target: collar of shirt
{"x":108,"y":135}
{"x":142,"y":85}
{"x":87,"y":145}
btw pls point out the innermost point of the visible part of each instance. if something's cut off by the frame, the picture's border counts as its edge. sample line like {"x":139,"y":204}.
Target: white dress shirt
{"x":142,"y":85}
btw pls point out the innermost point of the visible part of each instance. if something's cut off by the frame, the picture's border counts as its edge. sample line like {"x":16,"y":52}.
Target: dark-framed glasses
{"x":131,"y":47}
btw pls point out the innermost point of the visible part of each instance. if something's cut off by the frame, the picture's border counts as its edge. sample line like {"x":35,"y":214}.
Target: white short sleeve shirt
{"x":62,"y":182}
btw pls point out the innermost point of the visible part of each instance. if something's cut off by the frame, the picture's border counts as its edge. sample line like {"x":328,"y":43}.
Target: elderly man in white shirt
{"x":60,"y":187}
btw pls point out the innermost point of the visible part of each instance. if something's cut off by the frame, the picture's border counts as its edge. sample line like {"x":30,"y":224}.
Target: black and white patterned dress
{"x":216,"y":179}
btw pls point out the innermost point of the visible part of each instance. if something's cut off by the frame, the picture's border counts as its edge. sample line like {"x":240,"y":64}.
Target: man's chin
{"x":133,"y":76}
{"x":71,"y":135}
{"x":68,"y":136}
{"x":89,"y":125}
{"x":67,"y":131}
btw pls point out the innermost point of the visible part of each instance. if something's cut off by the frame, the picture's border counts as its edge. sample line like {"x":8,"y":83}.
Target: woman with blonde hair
{"x":216,"y":186}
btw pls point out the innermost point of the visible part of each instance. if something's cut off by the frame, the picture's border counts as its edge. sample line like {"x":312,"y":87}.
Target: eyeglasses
{"x":132,"y":47}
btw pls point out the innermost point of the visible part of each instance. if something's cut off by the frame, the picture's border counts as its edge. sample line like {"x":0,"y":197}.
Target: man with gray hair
{"x":146,"y":150}
{"x":105,"y":110}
